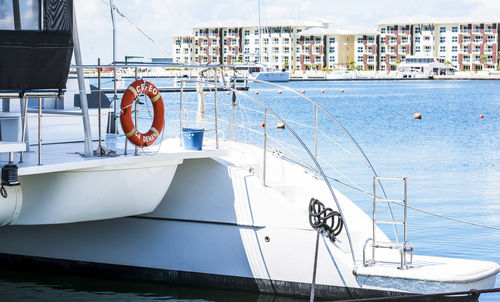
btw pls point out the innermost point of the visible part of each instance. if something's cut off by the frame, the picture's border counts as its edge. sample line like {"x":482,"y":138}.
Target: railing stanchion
{"x":180,"y":112}
{"x":136,"y":152}
{"x":216,"y":113}
{"x":265,"y":148}
{"x":39,"y":130}
{"x":99,"y":104}
{"x":234,"y":110}
{"x":24,"y":102}
{"x":315,"y":135}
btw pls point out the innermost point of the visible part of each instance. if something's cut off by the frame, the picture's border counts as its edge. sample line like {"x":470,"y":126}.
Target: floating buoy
{"x":228,"y":93}
{"x":395,"y":80}
{"x":322,"y":91}
{"x":417,"y":116}
{"x":279,"y":91}
{"x":303,"y":91}
{"x":256,"y":92}
{"x":492,"y":84}
{"x":341,"y":90}
{"x":280,"y":125}
{"x":262,"y":124}
{"x":481,"y":116}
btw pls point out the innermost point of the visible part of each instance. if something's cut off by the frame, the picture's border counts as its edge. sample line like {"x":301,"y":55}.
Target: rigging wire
{"x":137,"y":27}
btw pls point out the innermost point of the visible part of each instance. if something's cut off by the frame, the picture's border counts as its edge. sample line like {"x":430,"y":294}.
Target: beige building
{"x":467,"y":45}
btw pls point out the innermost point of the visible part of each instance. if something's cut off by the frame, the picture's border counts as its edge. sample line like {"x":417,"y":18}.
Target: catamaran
{"x":235,"y":214}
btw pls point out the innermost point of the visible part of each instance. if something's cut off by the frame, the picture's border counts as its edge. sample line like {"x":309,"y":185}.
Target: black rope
{"x":325,"y":220}
{"x":3,"y":192}
{"x":474,"y":293}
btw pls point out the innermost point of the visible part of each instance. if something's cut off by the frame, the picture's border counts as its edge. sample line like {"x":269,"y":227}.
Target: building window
{"x":382,"y":30}
{"x":177,"y":51}
{"x":442,"y":39}
{"x":177,"y":42}
{"x":382,"y":40}
{"x":417,"y":30}
{"x":417,"y":49}
{"x":360,"y":49}
{"x":317,"y":41}
{"x":454,"y":29}
{"x":360,"y":58}
{"x":332,"y":40}
{"x":247,"y":32}
{"x":247,"y":41}
{"x":256,"y":41}
{"x":442,"y":29}
{"x":318,"y":59}
{"x":454,"y":48}
{"x":298,"y":49}
{"x":332,"y":59}
{"x":442,"y":48}
{"x":360,"y":40}
{"x":332,"y":49}
{"x":417,"y":39}
{"x":382,"y":49}
{"x":454,"y":39}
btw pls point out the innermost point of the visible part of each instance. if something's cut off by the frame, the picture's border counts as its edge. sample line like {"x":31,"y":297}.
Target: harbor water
{"x":451,"y":157}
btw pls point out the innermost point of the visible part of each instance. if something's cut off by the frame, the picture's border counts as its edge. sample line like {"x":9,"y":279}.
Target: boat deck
{"x":69,"y":156}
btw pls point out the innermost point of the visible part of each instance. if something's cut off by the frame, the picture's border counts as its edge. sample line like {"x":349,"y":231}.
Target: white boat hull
{"x":94,"y":193}
{"x":217,"y":225}
{"x":273,"y":76}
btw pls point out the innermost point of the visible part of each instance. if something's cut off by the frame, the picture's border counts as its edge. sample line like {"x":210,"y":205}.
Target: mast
{"x":115,"y":96}
{"x":88,"y":150}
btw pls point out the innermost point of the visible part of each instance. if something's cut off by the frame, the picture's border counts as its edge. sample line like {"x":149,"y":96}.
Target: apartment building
{"x":467,"y":45}
{"x":273,"y":45}
{"x":324,"y":47}
{"x":183,"y":49}
{"x":366,"y":50}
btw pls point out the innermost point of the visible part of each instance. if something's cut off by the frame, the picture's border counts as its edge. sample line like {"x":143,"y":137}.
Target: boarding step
{"x":404,"y":246}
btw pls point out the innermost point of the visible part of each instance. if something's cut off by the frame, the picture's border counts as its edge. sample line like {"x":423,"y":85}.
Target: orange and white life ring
{"x":134,"y":136}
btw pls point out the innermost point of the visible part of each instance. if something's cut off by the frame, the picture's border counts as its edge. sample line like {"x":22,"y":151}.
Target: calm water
{"x":451,"y":158}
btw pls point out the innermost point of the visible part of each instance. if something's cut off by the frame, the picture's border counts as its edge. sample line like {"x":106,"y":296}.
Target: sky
{"x":162,"y":19}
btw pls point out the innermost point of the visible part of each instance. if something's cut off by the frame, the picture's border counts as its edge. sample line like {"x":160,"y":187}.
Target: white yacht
{"x":233,"y":215}
{"x":260,"y":72}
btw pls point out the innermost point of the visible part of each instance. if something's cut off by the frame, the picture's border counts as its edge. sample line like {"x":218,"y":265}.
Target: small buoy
{"x":303,"y":91}
{"x":417,"y":116}
{"x":279,"y":91}
{"x":256,"y":92}
{"x":341,"y":90}
{"x":395,"y":80}
{"x":280,"y":125}
{"x":322,"y":91}
{"x":492,"y":84}
{"x":228,"y":93}
{"x":481,"y":116}
{"x":262,"y":124}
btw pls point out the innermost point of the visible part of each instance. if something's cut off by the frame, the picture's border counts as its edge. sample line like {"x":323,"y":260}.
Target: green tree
{"x":352,"y":65}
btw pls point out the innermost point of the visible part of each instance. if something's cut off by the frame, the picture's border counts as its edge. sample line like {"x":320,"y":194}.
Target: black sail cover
{"x":38,"y":59}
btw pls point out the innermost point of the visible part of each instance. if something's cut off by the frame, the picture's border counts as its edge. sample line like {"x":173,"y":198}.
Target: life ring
{"x":133,"y":135}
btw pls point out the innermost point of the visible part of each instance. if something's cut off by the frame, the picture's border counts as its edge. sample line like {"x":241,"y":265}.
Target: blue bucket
{"x":193,"y":138}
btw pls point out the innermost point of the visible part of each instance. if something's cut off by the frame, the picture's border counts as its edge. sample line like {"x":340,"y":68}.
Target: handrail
{"x":342,"y":128}
{"x":313,"y":158}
